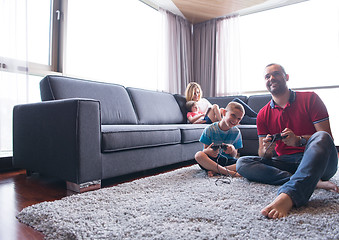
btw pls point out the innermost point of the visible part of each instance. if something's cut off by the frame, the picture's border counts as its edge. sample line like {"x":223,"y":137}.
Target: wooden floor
{"x":18,"y":191}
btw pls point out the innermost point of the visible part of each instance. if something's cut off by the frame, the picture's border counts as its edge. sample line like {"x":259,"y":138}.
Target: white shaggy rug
{"x":182,"y":204}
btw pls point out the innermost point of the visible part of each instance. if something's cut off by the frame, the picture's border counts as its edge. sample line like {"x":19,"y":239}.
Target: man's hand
{"x":266,"y":147}
{"x":290,"y":138}
{"x":267,"y":143}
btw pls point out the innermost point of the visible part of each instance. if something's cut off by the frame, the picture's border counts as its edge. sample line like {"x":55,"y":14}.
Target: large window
{"x":107,"y":41}
{"x":28,"y":50}
{"x":304,"y":38}
{"x":39,"y":26}
{"x":113,"y":41}
{"x":45,"y":20}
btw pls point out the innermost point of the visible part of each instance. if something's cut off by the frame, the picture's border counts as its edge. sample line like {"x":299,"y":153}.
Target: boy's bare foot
{"x":233,"y":173}
{"x":227,"y":173}
{"x":327,"y":185}
{"x":279,"y":207}
{"x":211,"y":173}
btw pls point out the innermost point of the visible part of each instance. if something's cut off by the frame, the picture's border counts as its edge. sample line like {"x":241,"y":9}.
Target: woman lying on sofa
{"x":194,"y":93}
{"x":194,"y":115}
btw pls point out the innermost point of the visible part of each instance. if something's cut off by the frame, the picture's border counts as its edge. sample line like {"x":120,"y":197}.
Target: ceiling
{"x":196,"y":11}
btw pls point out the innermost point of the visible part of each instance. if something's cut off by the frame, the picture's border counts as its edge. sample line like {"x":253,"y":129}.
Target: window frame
{"x":56,"y":46}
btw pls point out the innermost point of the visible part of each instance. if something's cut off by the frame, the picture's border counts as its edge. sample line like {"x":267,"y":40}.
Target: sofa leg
{"x":29,"y":173}
{"x":83,"y":187}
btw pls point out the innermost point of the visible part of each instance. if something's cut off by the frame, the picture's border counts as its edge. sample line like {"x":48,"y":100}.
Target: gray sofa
{"x":83,"y":131}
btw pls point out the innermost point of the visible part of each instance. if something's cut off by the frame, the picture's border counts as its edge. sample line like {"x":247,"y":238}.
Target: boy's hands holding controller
{"x":230,"y":150}
{"x":213,"y":149}
{"x":210,"y":151}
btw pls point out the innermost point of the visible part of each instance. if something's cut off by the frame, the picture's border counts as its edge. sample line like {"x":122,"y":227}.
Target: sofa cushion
{"x":191,"y":132}
{"x":223,"y":101}
{"x":248,"y":131}
{"x":256,"y":102}
{"x":181,"y":100}
{"x":123,"y":137}
{"x":116,"y":106}
{"x":154,"y":107}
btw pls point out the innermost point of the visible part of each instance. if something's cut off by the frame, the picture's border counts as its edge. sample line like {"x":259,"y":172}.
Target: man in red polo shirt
{"x":296,"y":126}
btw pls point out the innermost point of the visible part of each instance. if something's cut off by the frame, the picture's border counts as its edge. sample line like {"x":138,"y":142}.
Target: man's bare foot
{"x":279,"y":207}
{"x":327,"y":185}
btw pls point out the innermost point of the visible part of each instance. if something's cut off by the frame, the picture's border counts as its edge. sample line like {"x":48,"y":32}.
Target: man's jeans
{"x":299,"y":173}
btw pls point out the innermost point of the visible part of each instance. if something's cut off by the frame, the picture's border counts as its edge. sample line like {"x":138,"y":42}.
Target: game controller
{"x":276,"y":137}
{"x":223,"y":146}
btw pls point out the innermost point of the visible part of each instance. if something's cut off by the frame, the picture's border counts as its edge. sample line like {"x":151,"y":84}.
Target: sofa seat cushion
{"x":122,"y":137}
{"x":191,"y":132}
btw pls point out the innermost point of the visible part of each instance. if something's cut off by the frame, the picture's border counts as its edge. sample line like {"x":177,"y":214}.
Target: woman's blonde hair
{"x":190,"y":91}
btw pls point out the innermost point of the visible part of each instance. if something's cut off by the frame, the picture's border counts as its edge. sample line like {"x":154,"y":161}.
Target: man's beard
{"x":278,"y":90}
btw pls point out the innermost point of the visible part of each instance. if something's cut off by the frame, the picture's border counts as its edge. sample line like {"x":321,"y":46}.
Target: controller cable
{"x":273,"y":140}
{"x":223,"y":178}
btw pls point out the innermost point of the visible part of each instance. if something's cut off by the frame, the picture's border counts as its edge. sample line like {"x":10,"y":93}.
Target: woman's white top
{"x":203,"y":104}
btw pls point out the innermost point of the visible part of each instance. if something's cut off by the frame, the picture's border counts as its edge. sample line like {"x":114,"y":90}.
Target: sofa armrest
{"x":59,"y":138}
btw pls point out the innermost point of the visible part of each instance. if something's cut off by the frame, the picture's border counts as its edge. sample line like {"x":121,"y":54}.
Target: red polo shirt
{"x":303,"y":110}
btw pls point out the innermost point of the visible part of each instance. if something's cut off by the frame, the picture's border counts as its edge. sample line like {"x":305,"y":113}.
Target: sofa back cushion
{"x":223,"y":101}
{"x":257,"y":102}
{"x":181,"y":100}
{"x":153,"y":107}
{"x":116,"y":106}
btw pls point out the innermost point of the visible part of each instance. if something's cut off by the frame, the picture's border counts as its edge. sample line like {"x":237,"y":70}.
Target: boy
{"x":222,"y":160}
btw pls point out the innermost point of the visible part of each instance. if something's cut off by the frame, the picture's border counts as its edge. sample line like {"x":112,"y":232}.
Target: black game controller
{"x":223,"y":146}
{"x":276,"y":137}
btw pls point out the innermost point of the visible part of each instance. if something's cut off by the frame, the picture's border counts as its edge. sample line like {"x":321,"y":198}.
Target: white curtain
{"x":228,"y":74}
{"x":177,"y":54}
{"x":13,"y":66}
